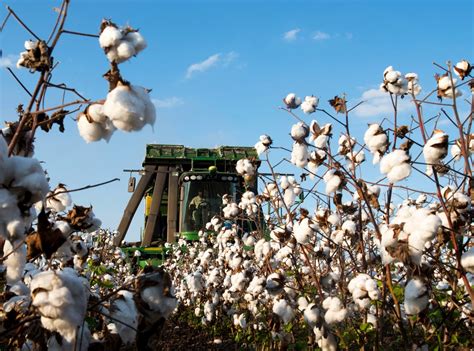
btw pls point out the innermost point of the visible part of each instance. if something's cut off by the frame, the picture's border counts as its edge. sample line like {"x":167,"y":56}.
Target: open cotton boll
{"x":263,"y":144}
{"x":446,"y":88}
{"x":299,"y":155}
{"x":416,"y":296}
{"x":302,"y":231}
{"x":136,"y":39}
{"x":61,"y":298}
{"x":309,"y":104}
{"x":26,"y":174}
{"x":110,"y":36}
{"x":299,"y":131}
{"x":349,"y":226}
{"x":467,"y":260}
{"x":129,"y":108}
{"x":333,"y":181}
{"x":412,"y":87}
{"x":283,"y":310}
{"x":245,"y":167}
{"x":90,"y":131}
{"x":463,"y":69}
{"x":435,"y":149}
{"x":125,"y":50}
{"x":396,"y":165}
{"x":15,"y":262}
{"x":58,"y":199}
{"x":376,"y":140}
{"x":393,"y":82}
{"x":124,"y":310}
{"x":311,"y":314}
{"x":335,"y":312}
{"x":291,"y":101}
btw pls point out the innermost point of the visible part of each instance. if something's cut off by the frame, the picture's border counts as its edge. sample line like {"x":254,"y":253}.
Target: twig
{"x":19,"y":82}
{"x":79,"y":33}
{"x":83,"y":188}
{"x":22,"y":23}
{"x":5,"y":21}
{"x":64,"y":87}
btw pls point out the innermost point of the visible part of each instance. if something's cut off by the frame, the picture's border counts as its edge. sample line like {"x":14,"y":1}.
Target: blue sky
{"x":247,"y":56}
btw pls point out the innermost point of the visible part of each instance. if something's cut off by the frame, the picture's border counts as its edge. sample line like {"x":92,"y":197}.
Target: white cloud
{"x":321,"y":35}
{"x":8,"y":61}
{"x":291,"y":34}
{"x":211,"y":61}
{"x":377,"y":103}
{"x":168,"y":102}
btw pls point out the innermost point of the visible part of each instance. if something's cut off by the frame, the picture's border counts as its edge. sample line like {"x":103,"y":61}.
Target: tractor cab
{"x":182,"y":189}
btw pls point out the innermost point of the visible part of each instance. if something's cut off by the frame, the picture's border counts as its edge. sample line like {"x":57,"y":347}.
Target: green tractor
{"x":182,"y":189}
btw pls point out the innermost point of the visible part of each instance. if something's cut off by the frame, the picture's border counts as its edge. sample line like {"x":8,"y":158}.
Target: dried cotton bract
{"x":129,"y":107}
{"x":120,"y":44}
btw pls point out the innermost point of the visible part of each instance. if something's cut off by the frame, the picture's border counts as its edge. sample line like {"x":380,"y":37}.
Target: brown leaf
{"x":45,"y":240}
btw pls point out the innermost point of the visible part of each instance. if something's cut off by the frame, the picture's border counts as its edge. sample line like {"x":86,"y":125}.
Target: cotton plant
{"x":120,"y":44}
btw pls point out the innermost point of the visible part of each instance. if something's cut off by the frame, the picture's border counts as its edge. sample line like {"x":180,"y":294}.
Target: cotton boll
{"x":89,"y":131}
{"x":291,"y":101}
{"x":302,"y":231}
{"x":15,"y":262}
{"x":61,"y":298}
{"x":311,"y":314}
{"x":299,"y":131}
{"x":393,"y":82}
{"x":309,"y":104}
{"x":462,"y":69}
{"x":110,"y":36}
{"x":129,"y":108}
{"x":416,"y":296}
{"x":333,"y":181}
{"x":125,"y":50}
{"x":124,"y":310}
{"x":136,"y":39}
{"x":299,"y":155}
{"x":376,"y":140}
{"x":58,"y":199}
{"x":396,"y":165}
{"x":283,"y":310}
{"x":349,"y":226}
{"x":435,"y":149}
{"x":412,"y":87}
{"x":263,"y":144}
{"x":446,"y":88}
{"x":467,"y":260}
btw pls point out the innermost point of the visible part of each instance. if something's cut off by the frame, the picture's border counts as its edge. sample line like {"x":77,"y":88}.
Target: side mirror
{"x":131,"y":184}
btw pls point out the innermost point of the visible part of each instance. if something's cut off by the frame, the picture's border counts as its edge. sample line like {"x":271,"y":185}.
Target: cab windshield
{"x":202,"y":199}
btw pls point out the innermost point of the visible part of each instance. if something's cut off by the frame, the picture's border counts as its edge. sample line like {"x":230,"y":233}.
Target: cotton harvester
{"x":182,"y":188}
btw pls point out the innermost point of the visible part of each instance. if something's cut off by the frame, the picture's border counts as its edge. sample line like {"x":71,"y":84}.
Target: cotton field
{"x":354,"y":238}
